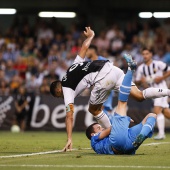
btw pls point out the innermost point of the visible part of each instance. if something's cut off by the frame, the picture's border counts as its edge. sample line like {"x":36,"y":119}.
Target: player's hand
{"x":68,"y":146}
{"x":158,"y":79}
{"x":144,"y":82}
{"x":88,"y":32}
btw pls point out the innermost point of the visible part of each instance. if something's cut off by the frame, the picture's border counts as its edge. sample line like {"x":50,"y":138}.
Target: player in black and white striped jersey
{"x":152,"y":73}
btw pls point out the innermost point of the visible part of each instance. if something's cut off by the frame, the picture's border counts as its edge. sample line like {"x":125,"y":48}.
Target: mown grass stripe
{"x":88,"y":166}
{"x":59,"y":151}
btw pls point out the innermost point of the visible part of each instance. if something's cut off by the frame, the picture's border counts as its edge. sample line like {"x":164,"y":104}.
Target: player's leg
{"x":149,"y":93}
{"x":125,"y":87}
{"x":160,"y":122}
{"x":147,"y":129}
{"x":99,"y":95}
{"x":99,"y":115}
{"x":166,"y":112}
{"x":124,"y":93}
{"x":161,"y":106}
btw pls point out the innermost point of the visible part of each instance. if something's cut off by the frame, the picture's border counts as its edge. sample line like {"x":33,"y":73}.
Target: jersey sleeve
{"x":163,"y":66}
{"x":78,"y":59}
{"x":69,"y":95}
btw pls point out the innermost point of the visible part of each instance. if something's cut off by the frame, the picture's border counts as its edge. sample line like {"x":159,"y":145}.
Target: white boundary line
{"x":59,"y":151}
{"x":88,"y":166}
{"x":156,"y":143}
{"x":40,"y":153}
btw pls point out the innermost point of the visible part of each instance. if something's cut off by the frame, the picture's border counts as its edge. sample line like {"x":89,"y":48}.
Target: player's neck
{"x":148,"y":62}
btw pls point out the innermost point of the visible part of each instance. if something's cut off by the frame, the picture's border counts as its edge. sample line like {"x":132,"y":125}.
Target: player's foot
{"x":131,"y":63}
{"x":139,"y":140}
{"x":159,"y":137}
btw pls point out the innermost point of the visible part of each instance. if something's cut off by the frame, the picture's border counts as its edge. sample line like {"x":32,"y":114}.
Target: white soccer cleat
{"x":159,"y":137}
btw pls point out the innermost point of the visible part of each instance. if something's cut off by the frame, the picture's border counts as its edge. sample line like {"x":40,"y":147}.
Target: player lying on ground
{"x":104,"y":77}
{"x":119,"y":138}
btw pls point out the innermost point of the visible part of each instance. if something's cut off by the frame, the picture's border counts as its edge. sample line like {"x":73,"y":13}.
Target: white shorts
{"x":103,"y":87}
{"x":162,"y":102}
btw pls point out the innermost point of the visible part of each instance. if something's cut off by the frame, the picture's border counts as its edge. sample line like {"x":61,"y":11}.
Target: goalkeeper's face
{"x":97,"y":128}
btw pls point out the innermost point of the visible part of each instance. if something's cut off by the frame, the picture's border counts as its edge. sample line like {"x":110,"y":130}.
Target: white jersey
{"x":155,"y":69}
{"x":81,"y":75}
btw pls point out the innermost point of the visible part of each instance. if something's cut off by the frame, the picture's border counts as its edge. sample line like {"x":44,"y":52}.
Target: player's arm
{"x":105,"y":133}
{"x":166,"y":73}
{"x":69,"y":126}
{"x":89,"y":34}
{"x":159,"y":79}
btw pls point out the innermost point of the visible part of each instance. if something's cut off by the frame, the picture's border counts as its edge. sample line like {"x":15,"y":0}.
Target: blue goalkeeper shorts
{"x":121,"y":136}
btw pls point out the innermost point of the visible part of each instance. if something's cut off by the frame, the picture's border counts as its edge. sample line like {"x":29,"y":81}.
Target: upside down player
{"x":119,"y":138}
{"x":104,"y":77}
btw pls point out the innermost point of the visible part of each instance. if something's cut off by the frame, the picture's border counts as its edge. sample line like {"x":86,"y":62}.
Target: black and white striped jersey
{"x":155,"y":69}
{"x":81,"y":75}
{"x":79,"y":70}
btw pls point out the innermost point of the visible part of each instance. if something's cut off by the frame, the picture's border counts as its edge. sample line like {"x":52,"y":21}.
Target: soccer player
{"x":119,"y":138}
{"x":153,"y":73}
{"x":104,"y":77}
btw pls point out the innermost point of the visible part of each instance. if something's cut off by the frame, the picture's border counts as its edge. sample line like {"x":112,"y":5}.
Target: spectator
{"x":21,"y":108}
{"x":4,"y":88}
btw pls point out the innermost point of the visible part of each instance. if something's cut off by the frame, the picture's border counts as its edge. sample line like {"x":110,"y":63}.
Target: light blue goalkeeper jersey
{"x":101,"y":146}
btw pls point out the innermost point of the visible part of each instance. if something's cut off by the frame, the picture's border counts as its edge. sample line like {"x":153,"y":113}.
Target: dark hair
{"x":53,"y":85}
{"x":90,"y":130}
{"x":147,"y":48}
{"x":93,"y":47}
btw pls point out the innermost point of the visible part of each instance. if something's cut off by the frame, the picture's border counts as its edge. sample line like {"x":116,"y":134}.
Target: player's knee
{"x":93,"y":111}
{"x":139,"y":96}
{"x":152,"y":115}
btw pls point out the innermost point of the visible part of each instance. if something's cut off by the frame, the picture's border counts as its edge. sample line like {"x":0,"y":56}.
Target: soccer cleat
{"x":159,"y":137}
{"x":139,"y":140}
{"x":131,"y":63}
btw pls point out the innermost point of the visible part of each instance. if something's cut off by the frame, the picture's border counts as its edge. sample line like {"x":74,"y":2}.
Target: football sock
{"x":147,"y":129}
{"x":108,"y":103}
{"x":151,"y":93}
{"x":161,"y":123}
{"x":103,"y":120}
{"x":126,"y":86}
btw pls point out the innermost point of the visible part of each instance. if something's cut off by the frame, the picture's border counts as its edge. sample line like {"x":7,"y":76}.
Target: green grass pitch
{"x":153,"y":156}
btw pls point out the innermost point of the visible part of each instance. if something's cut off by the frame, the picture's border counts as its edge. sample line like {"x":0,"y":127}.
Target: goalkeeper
{"x":119,"y":138}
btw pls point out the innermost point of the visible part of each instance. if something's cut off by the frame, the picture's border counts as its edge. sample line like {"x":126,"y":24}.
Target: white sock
{"x":161,"y":124}
{"x":151,"y":93}
{"x":103,"y":120}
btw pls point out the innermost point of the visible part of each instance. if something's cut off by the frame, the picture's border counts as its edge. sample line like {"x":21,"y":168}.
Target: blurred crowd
{"x":36,"y":55}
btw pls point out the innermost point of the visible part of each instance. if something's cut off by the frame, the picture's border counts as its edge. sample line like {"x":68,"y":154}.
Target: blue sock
{"x":148,"y":127}
{"x":126,"y":86}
